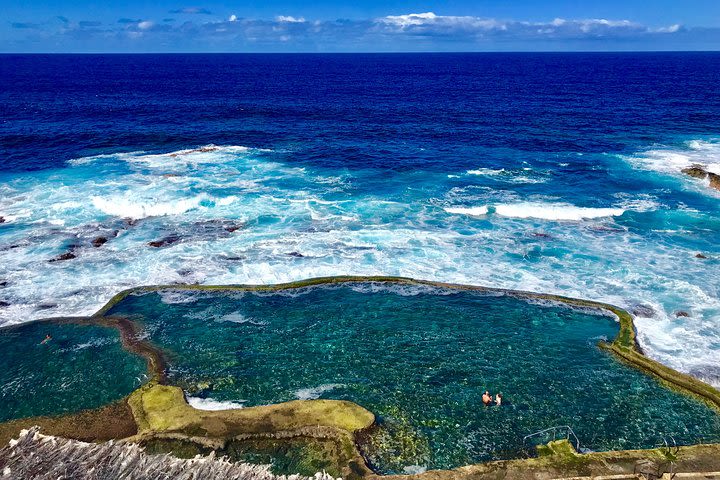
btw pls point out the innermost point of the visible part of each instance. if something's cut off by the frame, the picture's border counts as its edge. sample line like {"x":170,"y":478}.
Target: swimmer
{"x":498,"y":399}
{"x":487,"y":398}
{"x":47,"y":339}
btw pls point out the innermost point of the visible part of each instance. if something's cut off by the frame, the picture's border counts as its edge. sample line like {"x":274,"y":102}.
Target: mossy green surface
{"x":162,"y":408}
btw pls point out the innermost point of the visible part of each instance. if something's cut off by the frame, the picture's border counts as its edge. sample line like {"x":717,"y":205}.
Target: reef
{"x":310,"y":435}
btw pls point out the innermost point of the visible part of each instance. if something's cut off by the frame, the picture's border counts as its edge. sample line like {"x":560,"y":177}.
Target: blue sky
{"x":370,"y":25}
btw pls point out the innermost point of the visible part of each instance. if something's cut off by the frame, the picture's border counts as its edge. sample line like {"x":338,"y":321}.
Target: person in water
{"x":47,"y":339}
{"x":487,"y":398}
{"x":498,"y":399}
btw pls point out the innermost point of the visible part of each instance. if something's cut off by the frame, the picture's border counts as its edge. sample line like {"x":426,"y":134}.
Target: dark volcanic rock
{"x":296,"y":254}
{"x":641,"y":310}
{"x":99,"y":241}
{"x":4,"y":304}
{"x":682,"y":313}
{"x":233,"y":228}
{"x":165,"y":242}
{"x":2,"y":219}
{"x":3,"y":283}
{"x":63,"y":257}
{"x":700,"y":255}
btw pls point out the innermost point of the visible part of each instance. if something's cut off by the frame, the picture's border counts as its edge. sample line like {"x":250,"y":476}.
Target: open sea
{"x":556,"y":173}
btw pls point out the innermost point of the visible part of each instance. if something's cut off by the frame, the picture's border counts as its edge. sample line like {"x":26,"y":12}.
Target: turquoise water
{"x":80,"y":367}
{"x":420,"y":359}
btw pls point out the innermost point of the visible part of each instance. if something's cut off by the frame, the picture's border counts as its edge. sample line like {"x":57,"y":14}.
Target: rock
{"x":2,"y":219}
{"x":234,"y":228}
{"x":46,"y":306}
{"x":234,"y":258}
{"x":701,"y":256}
{"x":714,"y":180}
{"x":682,"y":313}
{"x":696,"y":171}
{"x":3,"y":283}
{"x":165,"y":242}
{"x":641,"y":310}
{"x":99,"y":241}
{"x":4,"y":304}
{"x":296,"y":254}
{"x":63,"y":257}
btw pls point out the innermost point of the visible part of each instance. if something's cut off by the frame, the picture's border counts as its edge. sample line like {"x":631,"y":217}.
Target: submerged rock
{"x":4,"y":304}
{"x":165,"y":242}
{"x":642,"y":310}
{"x":682,"y":313}
{"x":2,"y":219}
{"x":701,"y":256}
{"x":99,"y":241}
{"x":296,"y":254}
{"x":63,"y":257}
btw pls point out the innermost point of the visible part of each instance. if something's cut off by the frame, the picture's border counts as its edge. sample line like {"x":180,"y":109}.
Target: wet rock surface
{"x":63,"y":257}
{"x":698,"y":171}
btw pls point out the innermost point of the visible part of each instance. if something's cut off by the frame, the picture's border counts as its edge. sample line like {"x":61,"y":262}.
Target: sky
{"x":141,"y":26}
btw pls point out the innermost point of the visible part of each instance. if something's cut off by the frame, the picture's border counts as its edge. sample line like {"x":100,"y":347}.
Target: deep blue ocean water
{"x":546,"y":172}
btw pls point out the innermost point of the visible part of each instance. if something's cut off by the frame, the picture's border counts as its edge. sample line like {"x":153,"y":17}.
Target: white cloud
{"x":289,"y":19}
{"x":145,"y":25}
{"x":233,"y":18}
{"x":430,"y":19}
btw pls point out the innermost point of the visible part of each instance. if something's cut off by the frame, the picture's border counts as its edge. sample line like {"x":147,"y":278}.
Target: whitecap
{"x":705,"y":153}
{"x":543,"y":211}
{"x":122,"y":206}
{"x":473,"y":211}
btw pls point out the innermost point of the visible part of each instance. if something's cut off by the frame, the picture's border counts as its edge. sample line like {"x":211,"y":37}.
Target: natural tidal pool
{"x":420,"y":358}
{"x":79,"y":367}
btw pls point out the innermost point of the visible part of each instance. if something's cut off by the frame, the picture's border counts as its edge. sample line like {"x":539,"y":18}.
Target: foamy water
{"x":232,"y":214}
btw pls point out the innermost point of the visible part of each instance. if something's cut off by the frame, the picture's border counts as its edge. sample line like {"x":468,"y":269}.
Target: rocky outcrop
{"x":99,"y":241}
{"x":165,"y":242}
{"x":38,"y":456}
{"x":698,"y":171}
{"x":63,"y":257}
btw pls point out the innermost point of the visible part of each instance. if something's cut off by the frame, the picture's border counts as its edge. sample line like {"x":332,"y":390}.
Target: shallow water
{"x":80,"y":367}
{"x":420,"y":359}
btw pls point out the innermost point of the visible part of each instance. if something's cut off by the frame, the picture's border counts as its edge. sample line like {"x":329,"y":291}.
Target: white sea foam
{"x":122,"y":206}
{"x":316,"y":392}
{"x":544,"y":211}
{"x":396,"y":230}
{"x":237,"y":317}
{"x":473,"y":211}
{"x":212,"y":404}
{"x":174,"y":297}
{"x":673,"y":160}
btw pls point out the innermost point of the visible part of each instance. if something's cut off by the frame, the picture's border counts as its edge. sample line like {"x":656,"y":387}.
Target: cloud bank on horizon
{"x":425,"y":31}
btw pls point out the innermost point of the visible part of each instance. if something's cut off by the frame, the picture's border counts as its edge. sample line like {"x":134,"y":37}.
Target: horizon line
{"x":369,"y":52}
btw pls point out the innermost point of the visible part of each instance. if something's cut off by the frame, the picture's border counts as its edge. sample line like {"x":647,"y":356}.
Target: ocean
{"x":557,"y":173}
